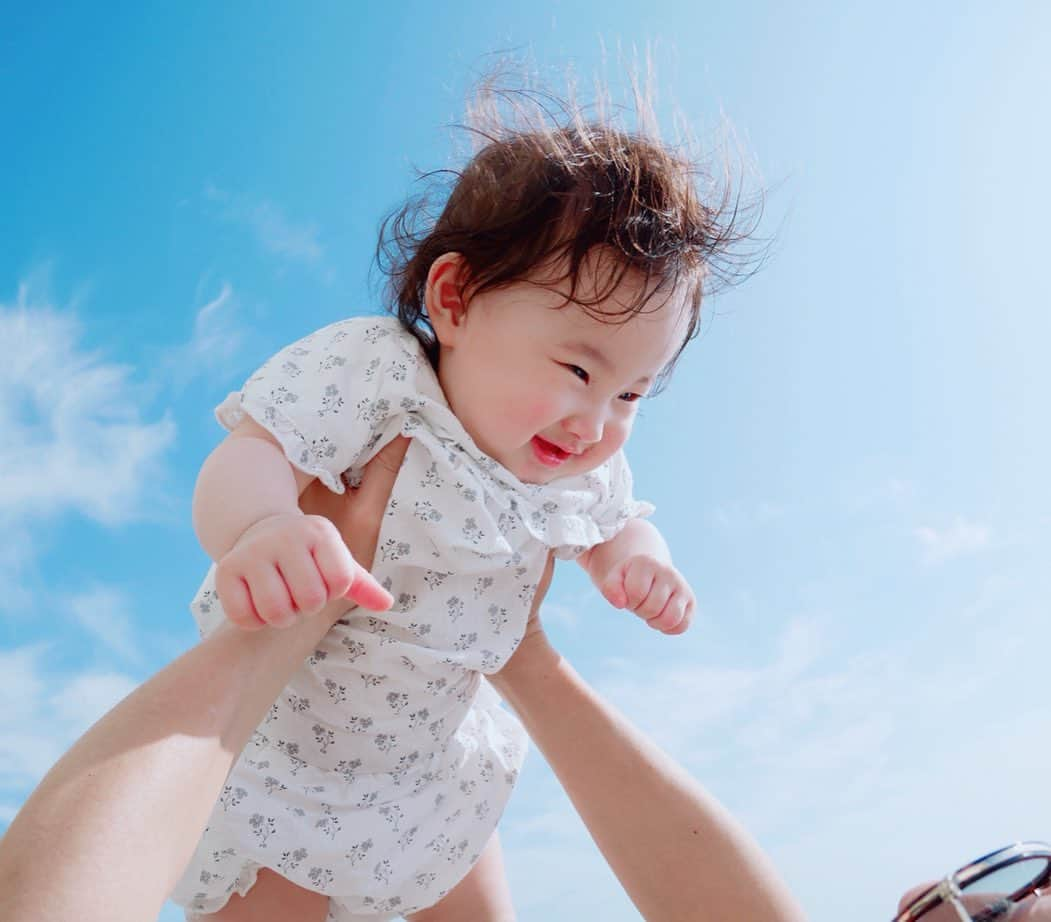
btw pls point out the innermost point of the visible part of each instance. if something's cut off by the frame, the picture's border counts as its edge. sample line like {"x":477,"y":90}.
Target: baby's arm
{"x":273,"y":562}
{"x":633,"y":570}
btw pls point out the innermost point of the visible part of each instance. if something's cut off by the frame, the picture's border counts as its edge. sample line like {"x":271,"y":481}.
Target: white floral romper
{"x":381,"y":771}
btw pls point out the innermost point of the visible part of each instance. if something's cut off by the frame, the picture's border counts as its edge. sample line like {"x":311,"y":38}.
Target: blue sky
{"x":857,"y":488}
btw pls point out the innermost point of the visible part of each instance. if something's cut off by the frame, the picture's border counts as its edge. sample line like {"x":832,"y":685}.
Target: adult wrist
{"x":535,"y":661}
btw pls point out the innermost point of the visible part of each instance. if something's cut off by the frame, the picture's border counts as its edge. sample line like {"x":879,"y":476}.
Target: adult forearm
{"x":111,"y":826}
{"x":677,"y":852}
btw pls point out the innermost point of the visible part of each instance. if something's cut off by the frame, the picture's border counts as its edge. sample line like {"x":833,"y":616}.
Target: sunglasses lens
{"x":1006,"y":883}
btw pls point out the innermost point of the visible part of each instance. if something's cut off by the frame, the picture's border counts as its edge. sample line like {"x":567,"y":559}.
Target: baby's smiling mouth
{"x":547,"y":453}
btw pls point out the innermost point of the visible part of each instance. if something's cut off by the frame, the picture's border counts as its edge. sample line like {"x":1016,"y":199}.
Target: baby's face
{"x":547,"y":390}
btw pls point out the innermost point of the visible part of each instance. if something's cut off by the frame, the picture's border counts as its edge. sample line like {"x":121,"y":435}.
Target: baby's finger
{"x":684,"y":621}
{"x":670,"y":616}
{"x":638,"y":581}
{"x":270,"y":595}
{"x":367,"y":592}
{"x":656,"y":600}
{"x":336,"y":567}
{"x":306,"y":587}
{"x":236,"y":601}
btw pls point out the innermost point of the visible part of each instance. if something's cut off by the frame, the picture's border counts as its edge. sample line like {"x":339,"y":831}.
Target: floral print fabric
{"x":382,"y":769}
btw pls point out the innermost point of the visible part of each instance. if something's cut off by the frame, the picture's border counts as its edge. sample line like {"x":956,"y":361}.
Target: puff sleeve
{"x":321,"y":396}
{"x":614,"y":505}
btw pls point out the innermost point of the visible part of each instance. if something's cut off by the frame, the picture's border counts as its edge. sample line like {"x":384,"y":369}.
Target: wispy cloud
{"x":742,"y":516}
{"x":105,"y":613}
{"x":818,"y":742}
{"x":887,"y":494}
{"x":45,"y":711}
{"x":559,"y":613}
{"x":212,"y":348}
{"x":216,"y":337}
{"x":71,"y":433}
{"x":830,"y":722}
{"x":938,"y":545}
{"x":272,"y":229}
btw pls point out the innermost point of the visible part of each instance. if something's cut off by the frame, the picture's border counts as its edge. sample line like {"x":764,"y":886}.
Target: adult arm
{"x":110,"y":828}
{"x":675,"y":849}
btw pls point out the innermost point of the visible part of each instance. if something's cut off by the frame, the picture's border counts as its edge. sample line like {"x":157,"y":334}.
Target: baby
{"x":557,"y":288}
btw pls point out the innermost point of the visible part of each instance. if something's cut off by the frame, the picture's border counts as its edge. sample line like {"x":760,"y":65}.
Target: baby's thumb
{"x":368,"y":593}
{"x":613,"y":589}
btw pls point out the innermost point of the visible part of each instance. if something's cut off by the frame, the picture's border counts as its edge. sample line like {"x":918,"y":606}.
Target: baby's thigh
{"x":272,"y":899}
{"x":482,"y":896}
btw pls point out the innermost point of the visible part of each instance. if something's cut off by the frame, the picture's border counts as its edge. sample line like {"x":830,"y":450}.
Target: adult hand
{"x":534,"y":653}
{"x":358,"y":514}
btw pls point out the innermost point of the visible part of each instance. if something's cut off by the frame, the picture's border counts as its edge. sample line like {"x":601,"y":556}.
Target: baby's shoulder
{"x":353,"y":345}
{"x":365,"y":330}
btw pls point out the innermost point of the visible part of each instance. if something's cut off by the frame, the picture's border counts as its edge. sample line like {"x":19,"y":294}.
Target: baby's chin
{"x":565,"y":472}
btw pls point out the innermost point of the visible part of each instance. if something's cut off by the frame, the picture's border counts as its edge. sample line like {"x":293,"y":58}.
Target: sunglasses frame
{"x":950,"y":888}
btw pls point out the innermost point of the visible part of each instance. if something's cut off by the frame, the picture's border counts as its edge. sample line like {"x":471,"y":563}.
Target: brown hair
{"x":548,"y":187}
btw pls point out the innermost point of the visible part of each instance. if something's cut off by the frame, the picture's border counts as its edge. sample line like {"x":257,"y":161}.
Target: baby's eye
{"x":630,"y":397}
{"x":579,"y":372}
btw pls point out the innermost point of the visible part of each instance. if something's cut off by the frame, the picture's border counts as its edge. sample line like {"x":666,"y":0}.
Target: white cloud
{"x":558,"y":613}
{"x":890,"y":493}
{"x":928,"y":750}
{"x":565,"y":612}
{"x":279,"y":235}
{"x":44,"y":711}
{"x":71,"y":434}
{"x":104,"y":612}
{"x":958,"y":539}
{"x":938,"y":733}
{"x":213,"y":346}
{"x":215,"y":338}
{"x":16,"y":554}
{"x":896,"y":488}
{"x":743,"y":516}
{"x":271,"y":228}
{"x":87,"y":696}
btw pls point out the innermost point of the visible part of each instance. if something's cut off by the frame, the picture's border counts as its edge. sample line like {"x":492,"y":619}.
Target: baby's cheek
{"x":615,"y":435}
{"x":537,"y":413}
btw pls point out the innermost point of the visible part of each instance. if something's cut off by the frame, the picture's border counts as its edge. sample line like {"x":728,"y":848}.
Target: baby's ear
{"x":444,"y":297}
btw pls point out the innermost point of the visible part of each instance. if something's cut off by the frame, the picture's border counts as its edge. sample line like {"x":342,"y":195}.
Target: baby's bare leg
{"x":482,"y":896}
{"x":273,"y":899}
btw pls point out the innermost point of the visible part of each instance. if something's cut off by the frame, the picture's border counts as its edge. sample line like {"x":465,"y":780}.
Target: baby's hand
{"x":653,"y":589}
{"x":289,"y":565}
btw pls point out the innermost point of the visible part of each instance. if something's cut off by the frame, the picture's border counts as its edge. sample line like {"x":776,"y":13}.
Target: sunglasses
{"x":986,"y":889}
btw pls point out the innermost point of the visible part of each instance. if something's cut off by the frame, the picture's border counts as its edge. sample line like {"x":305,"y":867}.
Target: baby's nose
{"x":585,"y":427}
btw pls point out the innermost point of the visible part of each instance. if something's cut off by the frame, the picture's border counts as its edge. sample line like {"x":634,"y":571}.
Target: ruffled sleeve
{"x":328,"y":398}
{"x":613,"y":507}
